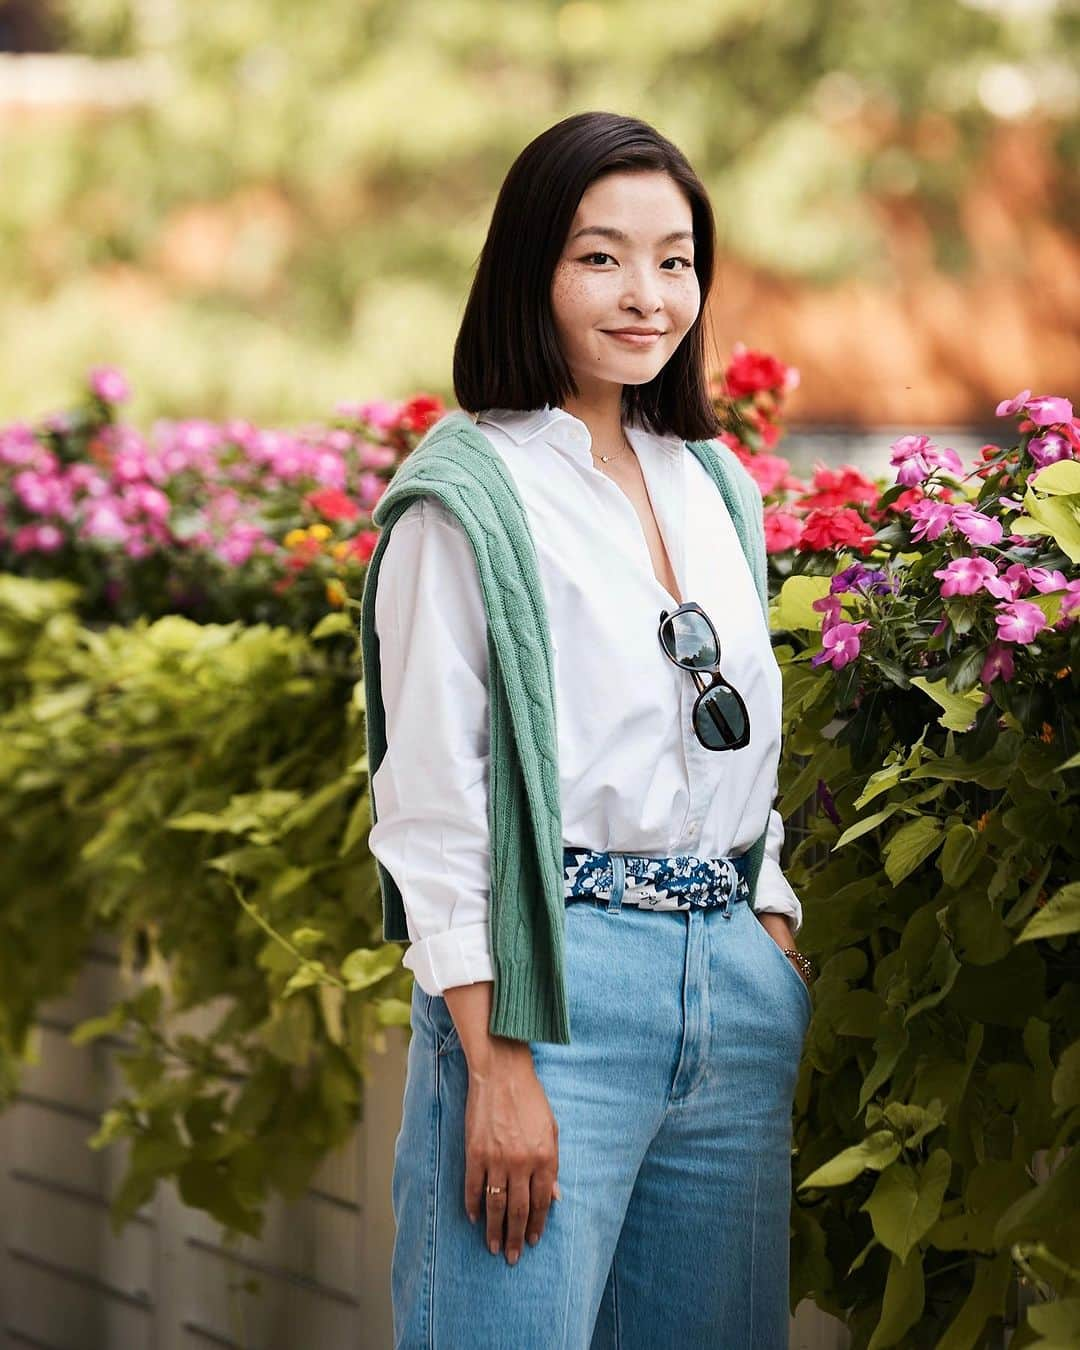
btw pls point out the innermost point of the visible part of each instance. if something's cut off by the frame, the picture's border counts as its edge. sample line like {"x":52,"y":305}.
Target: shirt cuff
{"x":775,"y":896}
{"x":459,"y":955}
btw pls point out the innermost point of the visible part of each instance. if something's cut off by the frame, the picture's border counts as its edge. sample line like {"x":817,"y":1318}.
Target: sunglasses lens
{"x":688,"y":639}
{"x":720,"y":719}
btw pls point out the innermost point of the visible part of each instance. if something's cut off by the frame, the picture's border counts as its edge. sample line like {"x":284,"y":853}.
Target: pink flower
{"x":372,"y":456}
{"x":918,"y":457}
{"x":829,"y":605}
{"x":1019,"y":621}
{"x":998,"y":664}
{"x":109,"y":385}
{"x":1070,"y":601}
{"x":931,"y":516}
{"x":783,"y":529}
{"x":965,"y":576}
{"x":1046,"y":411}
{"x":980,"y":529}
{"x":1049,"y":448}
{"x":840,"y":644}
{"x":767,"y":471}
{"x":1008,"y":406}
{"x":1046,"y":580}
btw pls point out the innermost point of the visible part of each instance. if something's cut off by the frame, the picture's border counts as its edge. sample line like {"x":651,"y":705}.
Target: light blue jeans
{"x":674,"y":1105}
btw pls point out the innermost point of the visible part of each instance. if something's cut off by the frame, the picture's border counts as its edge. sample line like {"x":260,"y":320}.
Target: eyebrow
{"x":609,"y":232}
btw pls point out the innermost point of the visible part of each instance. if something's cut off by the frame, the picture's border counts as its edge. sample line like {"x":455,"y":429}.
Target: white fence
{"x":319,"y":1277}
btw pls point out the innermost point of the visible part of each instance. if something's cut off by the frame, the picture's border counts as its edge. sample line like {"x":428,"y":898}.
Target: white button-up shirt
{"x":633,"y":776}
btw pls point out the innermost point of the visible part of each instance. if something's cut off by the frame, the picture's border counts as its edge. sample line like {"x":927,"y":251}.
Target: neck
{"x":603,"y":417}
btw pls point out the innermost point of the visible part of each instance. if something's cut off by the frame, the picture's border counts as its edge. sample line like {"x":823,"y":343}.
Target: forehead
{"x":637,"y":204}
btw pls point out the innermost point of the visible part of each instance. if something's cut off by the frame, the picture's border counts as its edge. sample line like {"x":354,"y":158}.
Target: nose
{"x":642,"y":292}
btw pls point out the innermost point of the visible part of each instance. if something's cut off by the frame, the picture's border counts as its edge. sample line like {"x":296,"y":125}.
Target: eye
{"x":589,"y":256}
{"x":685,"y":261}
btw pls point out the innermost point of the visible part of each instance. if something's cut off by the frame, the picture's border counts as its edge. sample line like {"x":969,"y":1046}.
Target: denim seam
{"x":753,"y":1247}
{"x":434,"y":1205}
{"x":615,"y":1306}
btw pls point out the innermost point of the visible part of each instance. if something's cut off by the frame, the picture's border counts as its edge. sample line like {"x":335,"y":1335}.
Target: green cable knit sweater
{"x":456,"y":463}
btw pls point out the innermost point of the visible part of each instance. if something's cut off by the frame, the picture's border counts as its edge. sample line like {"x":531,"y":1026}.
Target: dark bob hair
{"x":507,"y":354}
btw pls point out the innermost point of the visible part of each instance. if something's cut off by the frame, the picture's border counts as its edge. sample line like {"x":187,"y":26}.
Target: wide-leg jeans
{"x":674,"y":1105}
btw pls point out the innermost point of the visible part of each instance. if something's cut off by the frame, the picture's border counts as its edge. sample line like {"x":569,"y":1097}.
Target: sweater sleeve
{"x":432,"y":832}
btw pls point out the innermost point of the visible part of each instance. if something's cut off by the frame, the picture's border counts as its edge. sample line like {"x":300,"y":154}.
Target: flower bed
{"x":200,"y":790}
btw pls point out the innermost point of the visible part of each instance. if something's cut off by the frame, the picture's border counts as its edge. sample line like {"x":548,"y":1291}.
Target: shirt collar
{"x":551,"y":423}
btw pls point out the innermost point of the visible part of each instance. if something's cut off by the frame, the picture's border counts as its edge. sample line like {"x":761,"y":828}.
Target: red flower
{"x":421,"y":412}
{"x":782,"y":529}
{"x":751,"y":370}
{"x":332,"y":504}
{"x":834,"y":527}
{"x":839,"y":487}
{"x":362,"y":545}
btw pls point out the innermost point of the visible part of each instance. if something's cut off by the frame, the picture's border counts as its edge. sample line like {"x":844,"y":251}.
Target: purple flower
{"x":858,"y":577}
{"x":980,"y":529}
{"x":1019,"y":621}
{"x":1070,"y":601}
{"x":1049,"y":448}
{"x":840,"y":644}
{"x":1046,"y":411}
{"x":826,"y":801}
{"x":1008,"y":406}
{"x":998,"y":664}
{"x":109,"y":385}
{"x":830,"y":606}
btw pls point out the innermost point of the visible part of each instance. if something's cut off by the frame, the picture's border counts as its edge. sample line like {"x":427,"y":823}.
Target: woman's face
{"x":628,"y":262}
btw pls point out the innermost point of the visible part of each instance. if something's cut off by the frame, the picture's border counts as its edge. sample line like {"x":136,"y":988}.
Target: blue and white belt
{"x":679,"y":882}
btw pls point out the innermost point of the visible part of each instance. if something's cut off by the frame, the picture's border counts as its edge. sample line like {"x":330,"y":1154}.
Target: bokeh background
{"x":260,"y":207}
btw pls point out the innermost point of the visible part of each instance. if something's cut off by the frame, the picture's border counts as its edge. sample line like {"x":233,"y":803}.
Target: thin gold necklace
{"x":628,"y":448}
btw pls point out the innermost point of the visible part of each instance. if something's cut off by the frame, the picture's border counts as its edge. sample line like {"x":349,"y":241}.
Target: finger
{"x":496,"y":1214}
{"x":474,"y":1187}
{"x":517,"y":1215}
{"x":540,"y":1196}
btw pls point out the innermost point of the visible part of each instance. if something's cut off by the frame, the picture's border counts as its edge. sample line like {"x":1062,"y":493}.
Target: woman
{"x":595,"y":1145}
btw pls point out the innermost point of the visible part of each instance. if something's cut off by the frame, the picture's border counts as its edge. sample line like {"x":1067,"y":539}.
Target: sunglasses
{"x":688,"y":638}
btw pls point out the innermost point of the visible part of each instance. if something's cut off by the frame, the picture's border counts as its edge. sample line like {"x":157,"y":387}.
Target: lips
{"x":633,"y":339}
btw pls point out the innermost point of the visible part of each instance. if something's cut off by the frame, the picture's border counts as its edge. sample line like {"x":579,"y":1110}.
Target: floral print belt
{"x":679,"y":882}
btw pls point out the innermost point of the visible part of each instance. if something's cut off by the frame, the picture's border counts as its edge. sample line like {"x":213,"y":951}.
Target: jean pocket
{"x":792,"y":973}
{"x":442,"y":1022}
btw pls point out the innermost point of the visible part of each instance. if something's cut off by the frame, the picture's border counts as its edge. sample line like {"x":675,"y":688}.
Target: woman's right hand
{"x":512,"y":1141}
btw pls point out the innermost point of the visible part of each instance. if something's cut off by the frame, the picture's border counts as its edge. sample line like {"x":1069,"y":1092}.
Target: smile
{"x":635,"y":339}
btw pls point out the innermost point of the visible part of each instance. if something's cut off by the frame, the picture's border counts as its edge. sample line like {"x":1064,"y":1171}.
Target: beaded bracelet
{"x":802,"y":961}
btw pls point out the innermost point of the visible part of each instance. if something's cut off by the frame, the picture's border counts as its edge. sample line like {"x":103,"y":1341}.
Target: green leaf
{"x":911,"y":844}
{"x":904,"y":1204}
{"x":960,"y":710}
{"x":986,"y":1299}
{"x":1059,"y":1321}
{"x":960,"y":854}
{"x":367,"y":965}
{"x":1062,"y":478}
{"x":903,"y":1302}
{"x":1060,"y":915}
{"x":792,"y":608}
{"x":331,"y":624}
{"x":1066,"y":1086}
{"x":875,"y":1152}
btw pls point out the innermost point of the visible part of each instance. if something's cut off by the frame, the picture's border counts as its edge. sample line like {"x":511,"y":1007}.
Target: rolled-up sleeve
{"x":431,"y":789}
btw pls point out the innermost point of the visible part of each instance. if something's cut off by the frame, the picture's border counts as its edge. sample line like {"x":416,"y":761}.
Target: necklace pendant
{"x":605,"y":458}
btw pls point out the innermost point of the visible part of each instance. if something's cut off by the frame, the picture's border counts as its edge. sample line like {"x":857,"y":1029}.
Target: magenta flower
{"x":1049,"y":448}
{"x":999,"y":663}
{"x":965,"y":576}
{"x":1046,"y":580}
{"x":980,"y":529}
{"x":830,"y":606}
{"x":1019,"y":621}
{"x":840,"y":644}
{"x":1008,"y":406}
{"x":918,"y":457}
{"x":109,"y":385}
{"x":932,"y":518}
{"x":1047,"y":411}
